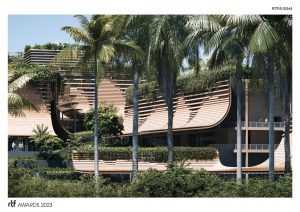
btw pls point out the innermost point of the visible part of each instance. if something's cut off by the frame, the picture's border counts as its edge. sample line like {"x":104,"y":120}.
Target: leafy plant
{"x":110,"y":124}
{"x":44,"y":140}
{"x":158,"y":154}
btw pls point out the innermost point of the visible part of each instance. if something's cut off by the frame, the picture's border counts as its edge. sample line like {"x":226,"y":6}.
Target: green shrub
{"x":157,"y":154}
{"x":177,"y":181}
{"x":109,"y":123}
{"x":59,"y":174}
{"x":180,"y":182}
{"x":57,"y":158}
{"x":44,"y":140}
{"x":23,"y":162}
{"x":36,"y":187}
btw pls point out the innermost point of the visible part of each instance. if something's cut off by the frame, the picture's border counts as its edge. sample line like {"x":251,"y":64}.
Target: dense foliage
{"x":158,"y":154}
{"x":50,"y":46}
{"x":110,"y":124}
{"x":148,"y":91}
{"x":206,"y":79}
{"x":177,"y":181}
{"x":43,"y":140}
{"x":85,"y":137}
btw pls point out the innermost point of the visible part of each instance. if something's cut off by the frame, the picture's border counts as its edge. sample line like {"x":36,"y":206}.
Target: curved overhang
{"x":192,"y":111}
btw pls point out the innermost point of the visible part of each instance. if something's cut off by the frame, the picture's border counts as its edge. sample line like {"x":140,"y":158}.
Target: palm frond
{"x":77,"y":34}
{"x":203,"y":23}
{"x":242,"y":20}
{"x":84,"y":22}
{"x":264,"y":37}
{"x":216,"y":39}
{"x":129,"y":49}
{"x":106,"y":52}
{"x":20,"y":82}
{"x":68,"y":57}
{"x":17,"y":103}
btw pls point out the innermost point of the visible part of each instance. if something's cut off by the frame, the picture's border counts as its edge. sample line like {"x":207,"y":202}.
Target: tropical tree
{"x":99,"y":41}
{"x":284,"y":64}
{"x":270,"y":45}
{"x":137,"y":30}
{"x":165,"y":55}
{"x":227,"y":38}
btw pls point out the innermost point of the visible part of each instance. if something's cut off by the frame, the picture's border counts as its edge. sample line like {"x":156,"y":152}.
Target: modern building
{"x":202,"y":118}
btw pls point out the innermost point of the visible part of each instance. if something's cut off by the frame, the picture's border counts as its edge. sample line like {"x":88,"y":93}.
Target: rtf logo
{"x":12,"y":203}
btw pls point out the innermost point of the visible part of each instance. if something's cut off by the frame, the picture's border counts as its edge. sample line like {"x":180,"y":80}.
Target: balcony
{"x":254,"y":125}
{"x":263,"y":124}
{"x":255,"y":148}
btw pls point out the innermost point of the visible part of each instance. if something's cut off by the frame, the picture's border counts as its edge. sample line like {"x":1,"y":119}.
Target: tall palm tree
{"x":165,"y":54}
{"x":269,"y":43}
{"x":16,"y":102}
{"x":137,"y":30}
{"x":99,"y":41}
{"x":284,"y":63}
{"x":226,"y":39}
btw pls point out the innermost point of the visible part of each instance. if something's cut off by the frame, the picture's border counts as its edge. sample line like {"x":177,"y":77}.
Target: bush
{"x":57,"y":158}
{"x":180,"y":182}
{"x":177,"y":181}
{"x":157,"y":154}
{"x":44,"y":140}
{"x":59,"y":174}
{"x":35,"y":187}
{"x":110,"y":124}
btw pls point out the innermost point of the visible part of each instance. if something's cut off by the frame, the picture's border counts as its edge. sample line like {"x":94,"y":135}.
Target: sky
{"x":37,"y":29}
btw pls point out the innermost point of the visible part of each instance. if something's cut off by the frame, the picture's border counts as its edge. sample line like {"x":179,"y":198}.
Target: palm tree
{"x":284,"y":63}
{"x":137,"y":30}
{"x":99,"y":39}
{"x":227,"y":39}
{"x":16,"y":102}
{"x":165,"y":54}
{"x":270,"y":45}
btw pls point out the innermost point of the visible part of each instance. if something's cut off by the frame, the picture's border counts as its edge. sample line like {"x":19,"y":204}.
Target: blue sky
{"x":37,"y":29}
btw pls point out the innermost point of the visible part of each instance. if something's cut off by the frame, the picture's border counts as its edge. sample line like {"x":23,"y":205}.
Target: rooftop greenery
{"x":50,"y":46}
{"x":206,"y":79}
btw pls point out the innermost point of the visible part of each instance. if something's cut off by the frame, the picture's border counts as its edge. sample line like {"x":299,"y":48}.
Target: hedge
{"x":177,"y":181}
{"x":58,"y":174}
{"x":157,"y":154}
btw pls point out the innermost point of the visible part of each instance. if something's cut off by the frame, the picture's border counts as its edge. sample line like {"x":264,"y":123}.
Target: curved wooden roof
{"x":74,"y":99}
{"x":196,"y":110}
{"x":109,"y":92}
{"x":23,"y":125}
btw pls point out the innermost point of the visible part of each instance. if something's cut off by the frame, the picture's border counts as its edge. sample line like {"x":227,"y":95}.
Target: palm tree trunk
{"x":198,"y":63}
{"x":135,"y":125}
{"x":239,"y":122}
{"x":287,"y":122}
{"x":96,"y":158}
{"x":170,"y":129}
{"x":271,"y":119}
{"x":287,"y":165}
